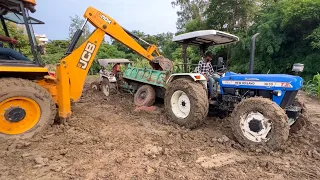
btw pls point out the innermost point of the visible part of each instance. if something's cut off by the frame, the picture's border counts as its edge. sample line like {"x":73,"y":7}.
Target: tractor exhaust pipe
{"x":253,"y":47}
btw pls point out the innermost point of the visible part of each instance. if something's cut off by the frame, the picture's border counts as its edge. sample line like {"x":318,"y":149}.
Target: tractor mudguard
{"x":194,"y":76}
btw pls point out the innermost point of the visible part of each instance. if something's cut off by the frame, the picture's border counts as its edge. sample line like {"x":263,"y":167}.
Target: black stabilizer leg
{"x":74,"y":41}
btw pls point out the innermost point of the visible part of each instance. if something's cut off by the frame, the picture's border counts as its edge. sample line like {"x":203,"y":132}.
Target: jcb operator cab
{"x":17,"y":11}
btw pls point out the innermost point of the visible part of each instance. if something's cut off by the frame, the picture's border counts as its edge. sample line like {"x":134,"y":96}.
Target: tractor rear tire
{"x":145,"y":96}
{"x":186,"y":103}
{"x":255,"y":115}
{"x":302,"y":119}
{"x":26,"y":108}
{"x":105,"y":87}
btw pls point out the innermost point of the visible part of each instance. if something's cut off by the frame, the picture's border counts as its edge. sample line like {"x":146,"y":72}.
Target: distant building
{"x":42,"y":40}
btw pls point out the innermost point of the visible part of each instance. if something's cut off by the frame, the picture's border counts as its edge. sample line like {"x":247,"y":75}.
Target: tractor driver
{"x":205,"y":68}
{"x":8,"y":52}
{"x":116,"y":68}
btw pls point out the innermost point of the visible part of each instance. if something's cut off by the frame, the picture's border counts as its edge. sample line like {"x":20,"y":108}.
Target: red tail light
{"x":52,"y":73}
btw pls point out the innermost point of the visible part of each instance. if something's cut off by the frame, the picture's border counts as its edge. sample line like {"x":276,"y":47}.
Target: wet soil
{"x":107,"y":139}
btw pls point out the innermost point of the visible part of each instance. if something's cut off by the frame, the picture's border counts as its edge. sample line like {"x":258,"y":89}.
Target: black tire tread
{"x":7,"y":85}
{"x":280,"y":122}
{"x":104,"y":82}
{"x":150,"y":99}
{"x":198,"y":94}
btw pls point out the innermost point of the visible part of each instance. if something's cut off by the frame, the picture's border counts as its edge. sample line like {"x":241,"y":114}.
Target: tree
{"x":288,"y":34}
{"x":159,"y":40}
{"x":105,"y":51}
{"x":165,"y":44}
{"x":57,"y":46}
{"x":233,"y":15}
{"x":55,"y":50}
{"x":191,"y":11}
{"x":314,"y":38}
{"x":77,"y":23}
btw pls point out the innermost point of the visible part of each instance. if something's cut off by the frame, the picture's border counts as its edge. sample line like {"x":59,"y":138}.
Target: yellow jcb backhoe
{"x":31,"y":98}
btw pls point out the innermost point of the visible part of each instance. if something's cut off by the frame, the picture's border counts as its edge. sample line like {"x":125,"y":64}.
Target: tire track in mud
{"x":105,"y":139}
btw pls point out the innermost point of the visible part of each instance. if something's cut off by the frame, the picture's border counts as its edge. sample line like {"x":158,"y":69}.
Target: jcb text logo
{"x":105,"y":18}
{"x":86,"y":55}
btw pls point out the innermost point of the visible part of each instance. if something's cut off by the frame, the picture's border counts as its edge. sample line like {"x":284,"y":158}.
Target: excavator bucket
{"x":164,"y":63}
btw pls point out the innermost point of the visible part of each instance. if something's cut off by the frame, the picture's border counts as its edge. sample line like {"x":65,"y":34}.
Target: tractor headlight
{"x":277,"y":92}
{"x":297,"y":67}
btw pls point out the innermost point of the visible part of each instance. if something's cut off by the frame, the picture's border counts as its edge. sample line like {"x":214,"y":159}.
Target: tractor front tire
{"x":186,"y":103}
{"x":105,"y":87}
{"x":302,"y":119}
{"x":145,"y":96}
{"x":26,"y":108}
{"x":260,"y":123}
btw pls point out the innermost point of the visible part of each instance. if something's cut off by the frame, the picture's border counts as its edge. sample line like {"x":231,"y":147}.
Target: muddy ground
{"x":105,"y":139}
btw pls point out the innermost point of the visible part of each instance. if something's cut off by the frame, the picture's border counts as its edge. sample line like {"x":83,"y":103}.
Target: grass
{"x":316,"y":79}
{"x":312,"y":87}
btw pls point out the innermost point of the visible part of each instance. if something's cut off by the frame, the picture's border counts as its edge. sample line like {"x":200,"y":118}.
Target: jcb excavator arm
{"x":74,"y":67}
{"x":113,"y":29}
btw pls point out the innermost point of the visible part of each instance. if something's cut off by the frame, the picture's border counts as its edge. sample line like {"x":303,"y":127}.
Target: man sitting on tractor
{"x":205,"y":68}
{"x":116,"y":70}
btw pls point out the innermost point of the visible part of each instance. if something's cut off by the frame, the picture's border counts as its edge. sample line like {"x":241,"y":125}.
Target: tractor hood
{"x":262,"y":81}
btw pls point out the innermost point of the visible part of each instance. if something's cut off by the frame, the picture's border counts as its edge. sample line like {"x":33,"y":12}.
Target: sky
{"x":148,"y":16}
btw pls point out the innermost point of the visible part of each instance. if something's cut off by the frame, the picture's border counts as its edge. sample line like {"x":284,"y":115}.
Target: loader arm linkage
{"x":107,"y":24}
{"x":74,"y":67}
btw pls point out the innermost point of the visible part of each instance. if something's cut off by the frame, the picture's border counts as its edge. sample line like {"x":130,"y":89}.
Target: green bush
{"x":316,"y":80}
{"x":142,"y":63}
{"x":312,"y":87}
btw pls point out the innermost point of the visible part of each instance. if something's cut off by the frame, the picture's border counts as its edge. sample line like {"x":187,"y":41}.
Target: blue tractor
{"x":263,"y":108}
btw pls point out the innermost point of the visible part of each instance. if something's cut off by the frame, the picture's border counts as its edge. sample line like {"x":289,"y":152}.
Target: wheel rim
{"x":106,"y":90}
{"x":142,"y":96}
{"x":94,"y":87}
{"x":255,"y":127}
{"x":18,"y":114}
{"x":291,"y":121}
{"x":180,"y":104}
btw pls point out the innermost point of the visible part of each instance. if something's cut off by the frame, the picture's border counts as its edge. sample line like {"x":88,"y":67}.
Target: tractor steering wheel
{"x":221,"y":70}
